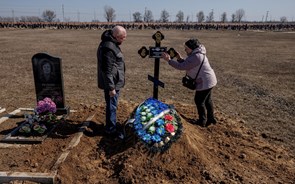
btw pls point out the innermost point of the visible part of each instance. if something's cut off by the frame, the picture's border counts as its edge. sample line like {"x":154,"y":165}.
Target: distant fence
{"x":130,"y":25}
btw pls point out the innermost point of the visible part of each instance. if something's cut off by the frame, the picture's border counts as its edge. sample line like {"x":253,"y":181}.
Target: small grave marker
{"x":156,"y":52}
{"x":48,"y":79}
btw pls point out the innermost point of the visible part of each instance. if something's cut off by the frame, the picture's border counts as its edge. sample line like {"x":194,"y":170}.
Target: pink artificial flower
{"x":46,"y":105}
{"x":169,"y":127}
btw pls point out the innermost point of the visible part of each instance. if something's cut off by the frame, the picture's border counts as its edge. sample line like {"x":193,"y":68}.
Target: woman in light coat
{"x":206,"y":79}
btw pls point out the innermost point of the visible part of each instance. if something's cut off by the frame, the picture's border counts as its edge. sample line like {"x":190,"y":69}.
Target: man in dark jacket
{"x":111,"y":74}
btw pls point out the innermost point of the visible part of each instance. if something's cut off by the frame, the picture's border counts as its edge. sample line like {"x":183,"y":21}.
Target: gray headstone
{"x":48,"y":78}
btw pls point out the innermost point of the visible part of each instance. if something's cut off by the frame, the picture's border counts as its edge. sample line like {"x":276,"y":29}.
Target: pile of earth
{"x":224,"y":153}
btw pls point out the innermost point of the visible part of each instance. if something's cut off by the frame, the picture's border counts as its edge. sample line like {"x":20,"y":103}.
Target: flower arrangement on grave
{"x":157,"y":124}
{"x":43,"y":118}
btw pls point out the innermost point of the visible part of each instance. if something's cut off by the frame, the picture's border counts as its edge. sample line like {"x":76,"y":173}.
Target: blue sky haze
{"x":88,"y":10}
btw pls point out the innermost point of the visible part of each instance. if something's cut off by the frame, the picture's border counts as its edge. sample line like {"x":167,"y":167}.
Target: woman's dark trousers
{"x":204,"y":102}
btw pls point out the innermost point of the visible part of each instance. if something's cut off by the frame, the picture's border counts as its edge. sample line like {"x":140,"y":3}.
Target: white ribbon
{"x":155,"y":118}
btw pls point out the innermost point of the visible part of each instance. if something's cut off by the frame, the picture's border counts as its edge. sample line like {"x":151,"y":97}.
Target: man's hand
{"x":112,"y":93}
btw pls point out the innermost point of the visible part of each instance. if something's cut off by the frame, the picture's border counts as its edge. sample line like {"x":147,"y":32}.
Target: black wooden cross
{"x":156,"y":52}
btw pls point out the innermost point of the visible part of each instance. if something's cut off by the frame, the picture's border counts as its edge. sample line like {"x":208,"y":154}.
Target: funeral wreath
{"x":157,"y":124}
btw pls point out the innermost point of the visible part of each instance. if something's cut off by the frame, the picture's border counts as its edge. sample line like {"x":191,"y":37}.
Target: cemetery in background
{"x":254,"y":99}
{"x":243,"y":26}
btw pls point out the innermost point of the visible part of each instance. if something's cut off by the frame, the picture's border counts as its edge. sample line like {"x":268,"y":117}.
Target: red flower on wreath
{"x":168,"y":117}
{"x":169,"y":127}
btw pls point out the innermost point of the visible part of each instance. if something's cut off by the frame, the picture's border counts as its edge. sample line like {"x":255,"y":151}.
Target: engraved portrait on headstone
{"x":48,"y":78}
{"x":47,"y":74}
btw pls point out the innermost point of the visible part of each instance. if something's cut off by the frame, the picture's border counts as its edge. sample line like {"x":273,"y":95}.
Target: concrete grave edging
{"x":2,"y":109}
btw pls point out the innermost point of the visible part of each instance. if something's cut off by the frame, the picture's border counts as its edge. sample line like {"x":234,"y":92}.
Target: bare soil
{"x":253,"y":141}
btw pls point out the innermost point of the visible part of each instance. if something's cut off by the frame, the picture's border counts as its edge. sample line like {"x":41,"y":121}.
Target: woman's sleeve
{"x":189,"y":63}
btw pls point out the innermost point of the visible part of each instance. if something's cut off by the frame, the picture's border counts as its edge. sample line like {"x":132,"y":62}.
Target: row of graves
{"x":155,"y":124}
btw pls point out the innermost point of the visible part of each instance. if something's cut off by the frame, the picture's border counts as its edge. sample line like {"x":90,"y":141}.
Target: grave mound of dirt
{"x":224,"y":153}
{"x":227,"y":152}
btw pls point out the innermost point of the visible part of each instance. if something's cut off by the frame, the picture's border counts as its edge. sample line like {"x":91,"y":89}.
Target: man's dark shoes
{"x":114,"y":134}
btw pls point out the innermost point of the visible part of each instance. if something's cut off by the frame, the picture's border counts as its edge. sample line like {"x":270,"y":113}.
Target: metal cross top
{"x":156,"y":52}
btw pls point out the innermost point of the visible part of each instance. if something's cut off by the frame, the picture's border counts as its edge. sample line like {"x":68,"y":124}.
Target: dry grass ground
{"x":254,"y":100}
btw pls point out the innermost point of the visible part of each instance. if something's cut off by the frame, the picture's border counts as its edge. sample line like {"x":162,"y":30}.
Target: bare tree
{"x":164,"y":16}
{"x":179,"y":16}
{"x":210,"y":17}
{"x":109,"y":14}
{"x":187,"y":18}
{"x":30,"y":19}
{"x":240,"y":13}
{"x":283,"y":19}
{"x":48,"y":15}
{"x":137,"y":17}
{"x":223,"y":17}
{"x":200,"y":16}
{"x":9,"y":19}
{"x":233,"y":17}
{"x":148,"y":16}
